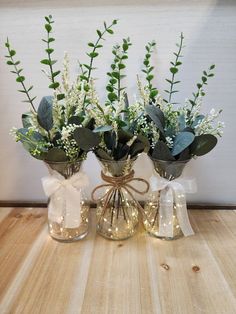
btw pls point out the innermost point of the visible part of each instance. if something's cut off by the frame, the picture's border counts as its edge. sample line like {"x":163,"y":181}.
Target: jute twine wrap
{"x":118,"y":183}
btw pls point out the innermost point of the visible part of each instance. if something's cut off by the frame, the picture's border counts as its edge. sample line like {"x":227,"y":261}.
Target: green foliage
{"x":182,"y":141}
{"x":206,"y":74}
{"x":103,"y":128}
{"x":157,"y":117}
{"x":25,"y":118}
{"x":18,"y":72}
{"x":49,"y":50}
{"x":148,"y":70}
{"x":45,"y":118}
{"x":33,"y":142}
{"x":120,"y":145}
{"x":56,"y":155}
{"x":87,"y":68}
{"x":203,"y":144}
{"x":174,"y":70}
{"x":162,"y":152}
{"x":86,"y":139}
{"x":116,"y":74}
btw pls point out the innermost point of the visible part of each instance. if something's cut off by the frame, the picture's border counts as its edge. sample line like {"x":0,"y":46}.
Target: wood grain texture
{"x":140,"y":275}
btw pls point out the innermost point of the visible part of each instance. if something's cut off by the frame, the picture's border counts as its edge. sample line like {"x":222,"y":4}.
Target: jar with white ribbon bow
{"x":165,"y":212}
{"x":68,"y":210}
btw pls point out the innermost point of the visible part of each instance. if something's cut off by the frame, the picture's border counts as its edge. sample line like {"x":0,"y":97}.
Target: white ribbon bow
{"x":65,"y":197}
{"x":170,"y":192}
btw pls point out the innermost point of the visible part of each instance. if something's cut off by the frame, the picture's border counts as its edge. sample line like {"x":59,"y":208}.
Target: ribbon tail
{"x":55,"y":207}
{"x":166,"y":213}
{"x":72,"y":213}
{"x":181,"y":211}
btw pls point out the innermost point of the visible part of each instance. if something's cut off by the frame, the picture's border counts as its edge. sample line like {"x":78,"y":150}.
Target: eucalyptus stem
{"x":20,"y":78}
{"x":114,"y":87}
{"x":174,"y":69}
{"x":148,"y":69}
{"x":86,"y":75}
{"x":205,"y":75}
{"x":53,"y":83}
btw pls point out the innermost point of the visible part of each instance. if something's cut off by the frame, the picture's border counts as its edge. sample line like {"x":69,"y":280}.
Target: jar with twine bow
{"x":117,"y":209}
{"x":68,"y":209}
{"x":165,"y":212}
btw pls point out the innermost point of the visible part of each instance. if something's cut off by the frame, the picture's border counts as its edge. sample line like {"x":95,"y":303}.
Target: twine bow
{"x":173,"y":192}
{"x":117,"y":183}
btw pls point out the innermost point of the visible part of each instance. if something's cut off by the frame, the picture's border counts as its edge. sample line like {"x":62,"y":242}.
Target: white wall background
{"x":210,"y":32}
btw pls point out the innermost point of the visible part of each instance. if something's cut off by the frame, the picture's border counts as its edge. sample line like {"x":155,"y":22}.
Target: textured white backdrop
{"x":210,"y":32}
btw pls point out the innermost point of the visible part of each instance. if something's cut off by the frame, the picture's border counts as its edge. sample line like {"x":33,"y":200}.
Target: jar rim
{"x":117,"y":161}
{"x":169,"y":161}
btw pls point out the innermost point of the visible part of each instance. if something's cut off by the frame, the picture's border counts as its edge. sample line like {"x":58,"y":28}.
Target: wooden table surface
{"x":97,"y":276}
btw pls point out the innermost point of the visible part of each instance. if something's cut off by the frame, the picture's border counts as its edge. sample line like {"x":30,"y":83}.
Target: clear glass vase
{"x":117,"y":211}
{"x":169,"y":170}
{"x":68,"y":208}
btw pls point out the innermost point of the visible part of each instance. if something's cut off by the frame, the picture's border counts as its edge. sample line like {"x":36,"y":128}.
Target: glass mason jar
{"x":68,"y":208}
{"x":169,"y":170}
{"x":117,"y":211}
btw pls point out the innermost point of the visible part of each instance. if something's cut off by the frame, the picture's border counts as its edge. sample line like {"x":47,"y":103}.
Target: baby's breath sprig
{"x":148,"y":69}
{"x":174,"y":69}
{"x":114,"y":87}
{"x":18,"y":71}
{"x":49,"y":50}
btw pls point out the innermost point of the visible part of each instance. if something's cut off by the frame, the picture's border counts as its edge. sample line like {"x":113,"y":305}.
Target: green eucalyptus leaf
{"x":48,"y":28}
{"x":45,"y":61}
{"x":198,"y":119}
{"x":112,"y":96}
{"x":157,"y":117}
{"x":162,"y":152}
{"x":20,"y":79}
{"x":174,"y":70}
{"x":124,"y":136}
{"x":101,"y":153}
{"x":45,"y":118}
{"x":75,"y":120}
{"x":54,"y":85}
{"x":121,"y":152}
{"x":136,"y":148}
{"x":145,"y":141}
{"x":182,"y":141}
{"x":26,"y":117}
{"x":86,"y":139}
{"x":103,"y":128}
{"x":185,"y":154}
{"x":56,"y":155}
{"x":203,"y":144}
{"x":60,"y":96}
{"x":182,"y":123}
{"x":110,"y":140}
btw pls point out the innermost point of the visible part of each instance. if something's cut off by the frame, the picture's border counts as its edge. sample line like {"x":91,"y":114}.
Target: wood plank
{"x":142,"y":275}
{"x":54,"y":278}
{"x":219,"y":235}
{"x":4,"y":211}
{"x":18,"y":231}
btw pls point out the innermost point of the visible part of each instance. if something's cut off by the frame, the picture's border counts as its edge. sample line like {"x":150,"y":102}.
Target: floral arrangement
{"x":61,"y":128}
{"x":114,"y":122}
{"x":176,"y":132}
{"x":72,"y":122}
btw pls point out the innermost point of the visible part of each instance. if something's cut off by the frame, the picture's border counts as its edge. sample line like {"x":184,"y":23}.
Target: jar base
{"x":114,"y":238}
{"x":78,"y":238}
{"x":62,"y":234}
{"x":179,"y":236}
